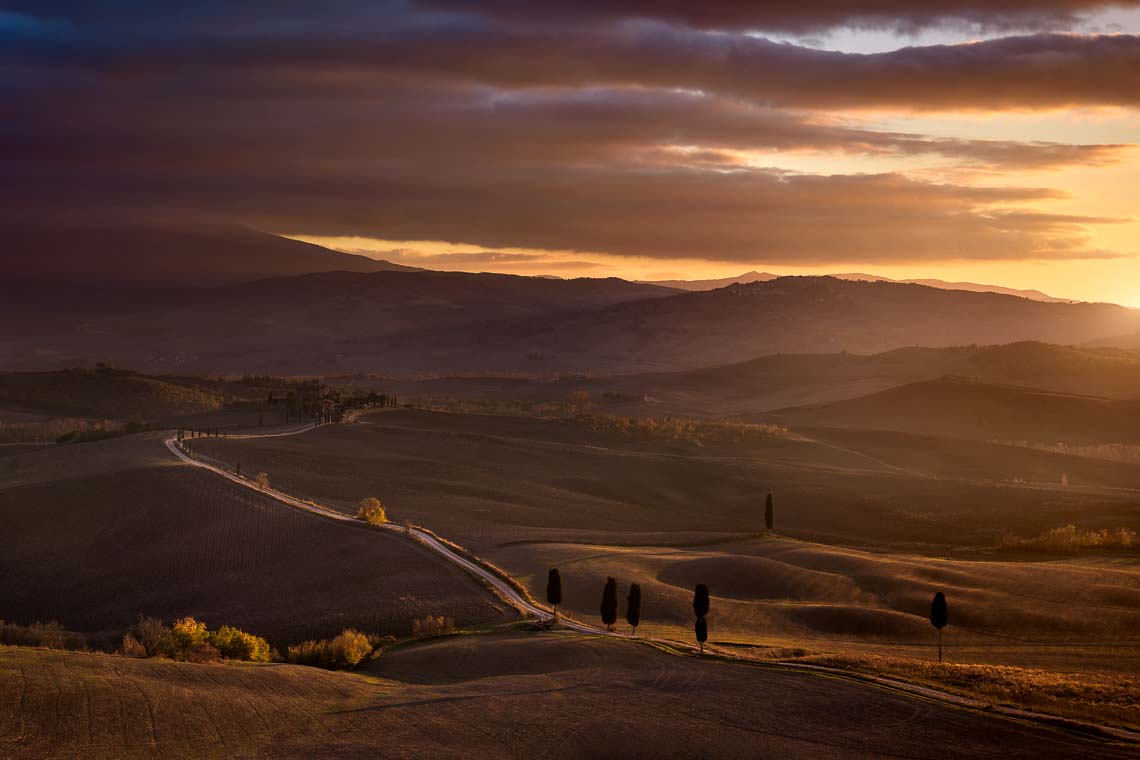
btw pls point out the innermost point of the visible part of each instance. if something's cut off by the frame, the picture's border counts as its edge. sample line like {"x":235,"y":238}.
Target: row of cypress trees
{"x":939,"y":611}
{"x":609,"y":607}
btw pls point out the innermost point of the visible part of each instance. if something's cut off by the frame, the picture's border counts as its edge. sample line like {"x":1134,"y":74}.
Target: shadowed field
{"x":516,"y":695}
{"x":168,"y":540}
{"x":532,"y":494}
{"x":492,"y":480}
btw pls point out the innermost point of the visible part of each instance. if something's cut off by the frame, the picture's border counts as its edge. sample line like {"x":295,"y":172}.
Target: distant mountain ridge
{"x":754,"y":276}
{"x":161,"y":256}
{"x":235,"y":300}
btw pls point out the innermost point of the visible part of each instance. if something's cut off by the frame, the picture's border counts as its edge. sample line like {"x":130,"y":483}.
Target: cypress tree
{"x":633,"y":607}
{"x":939,"y":617}
{"x":609,"y":603}
{"x":701,"y":600}
{"x":700,"y":609}
{"x":554,"y":589}
{"x":768,"y":512}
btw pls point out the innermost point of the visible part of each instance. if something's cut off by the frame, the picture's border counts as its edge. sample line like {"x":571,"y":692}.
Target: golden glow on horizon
{"x":1103,"y":189}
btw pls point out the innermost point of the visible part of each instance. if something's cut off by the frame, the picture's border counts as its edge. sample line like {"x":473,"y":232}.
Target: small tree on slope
{"x":700,"y":609}
{"x":554,"y":590}
{"x":609,"y":603}
{"x":702,"y":631}
{"x":939,"y":617}
{"x":633,"y":607}
{"x":768,"y":512}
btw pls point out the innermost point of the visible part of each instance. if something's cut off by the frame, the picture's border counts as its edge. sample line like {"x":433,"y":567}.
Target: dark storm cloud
{"x":627,"y":138}
{"x":801,"y":17}
{"x":396,"y":125}
{"x":1045,"y":70}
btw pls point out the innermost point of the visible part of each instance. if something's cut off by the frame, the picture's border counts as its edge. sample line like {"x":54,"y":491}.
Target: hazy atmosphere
{"x":960,"y":140}
{"x":635,"y":378}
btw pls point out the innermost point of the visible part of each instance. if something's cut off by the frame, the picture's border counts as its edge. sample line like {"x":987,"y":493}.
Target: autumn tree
{"x":939,"y":617}
{"x":235,"y":644}
{"x":554,"y":590}
{"x":633,"y":607}
{"x":609,"y":603}
{"x":372,"y":511}
{"x":262,"y":480}
{"x":768,"y":512}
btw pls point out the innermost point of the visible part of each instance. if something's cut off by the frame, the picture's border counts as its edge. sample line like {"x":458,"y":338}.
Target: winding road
{"x":501,"y":587}
{"x":511,"y":595}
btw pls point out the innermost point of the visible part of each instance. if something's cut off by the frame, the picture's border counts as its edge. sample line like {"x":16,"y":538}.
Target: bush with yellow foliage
{"x":372,"y":511}
{"x":345,"y":651}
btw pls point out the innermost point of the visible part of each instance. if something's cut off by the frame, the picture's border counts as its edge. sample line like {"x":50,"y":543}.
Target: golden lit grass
{"x":1106,"y":698}
{"x":521,"y":695}
{"x":816,"y":595}
{"x":531,"y":494}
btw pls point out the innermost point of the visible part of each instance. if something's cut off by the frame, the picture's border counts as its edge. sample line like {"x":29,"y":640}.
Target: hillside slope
{"x":447,"y":322}
{"x":544,"y":695}
{"x":963,"y":408}
{"x":813,"y":315}
{"x":139,"y":535}
{"x":156,"y":256}
{"x":783,"y":380}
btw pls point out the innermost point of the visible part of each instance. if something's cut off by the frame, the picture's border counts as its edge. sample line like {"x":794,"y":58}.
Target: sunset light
{"x":570,"y":379}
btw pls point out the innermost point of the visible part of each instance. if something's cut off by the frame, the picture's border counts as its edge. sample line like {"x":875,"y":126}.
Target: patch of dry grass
{"x":1105,"y":697}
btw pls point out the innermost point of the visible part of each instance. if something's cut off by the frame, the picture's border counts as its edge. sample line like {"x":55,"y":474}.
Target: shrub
{"x":192,"y":641}
{"x":188,"y":632}
{"x":262,"y":480}
{"x":345,"y":651}
{"x":372,"y":511}
{"x":50,"y":635}
{"x":132,"y":647}
{"x":433,"y":625}
{"x":156,"y":639}
{"x":1071,"y":539}
{"x":235,"y":644}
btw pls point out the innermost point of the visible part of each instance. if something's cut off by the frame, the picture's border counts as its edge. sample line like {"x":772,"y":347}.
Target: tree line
{"x":608,"y":611}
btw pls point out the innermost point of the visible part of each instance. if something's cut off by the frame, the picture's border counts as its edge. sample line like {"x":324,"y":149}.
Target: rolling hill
{"x":157,"y":256}
{"x":447,"y":322}
{"x":304,"y":324}
{"x":114,"y":529}
{"x":788,"y":315}
{"x":754,"y":276}
{"x":783,"y":380}
{"x":963,"y":408}
{"x":517,"y":695}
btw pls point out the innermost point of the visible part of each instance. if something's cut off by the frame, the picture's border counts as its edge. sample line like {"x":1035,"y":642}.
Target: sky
{"x":990,"y":141}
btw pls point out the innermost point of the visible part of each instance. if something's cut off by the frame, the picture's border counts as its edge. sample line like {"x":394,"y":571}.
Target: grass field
{"x":861,"y":544}
{"x":494,"y":479}
{"x":517,"y":695}
{"x":114,"y":529}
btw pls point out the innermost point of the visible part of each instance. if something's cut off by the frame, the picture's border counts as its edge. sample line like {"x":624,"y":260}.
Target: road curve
{"x":501,"y":587}
{"x":510,"y":594}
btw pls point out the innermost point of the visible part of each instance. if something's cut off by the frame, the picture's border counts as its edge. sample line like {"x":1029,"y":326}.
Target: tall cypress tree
{"x":609,"y":603}
{"x":633,"y":607}
{"x":554,"y":590}
{"x":700,"y":609}
{"x":939,"y":617}
{"x":701,"y":600}
{"x":768,"y":512}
